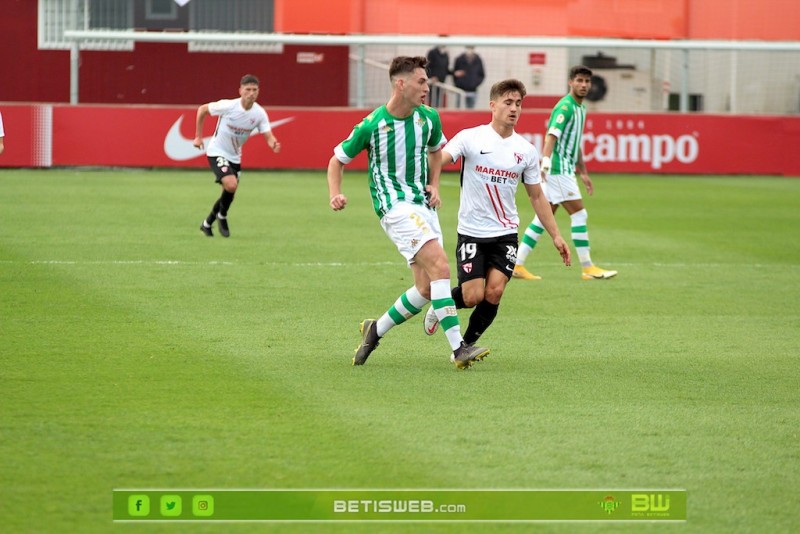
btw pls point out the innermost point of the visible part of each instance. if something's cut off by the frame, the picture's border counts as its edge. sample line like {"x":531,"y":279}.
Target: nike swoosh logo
{"x":486,"y":151}
{"x":179,"y":148}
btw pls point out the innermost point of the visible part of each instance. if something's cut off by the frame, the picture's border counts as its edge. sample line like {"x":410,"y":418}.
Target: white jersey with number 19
{"x":491,"y":169}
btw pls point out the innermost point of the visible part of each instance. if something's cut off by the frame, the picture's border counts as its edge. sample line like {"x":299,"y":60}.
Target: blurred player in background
{"x":494,"y":160}
{"x":561,"y":156}
{"x":403,"y":139}
{"x":238,"y":117}
{"x":2,"y":134}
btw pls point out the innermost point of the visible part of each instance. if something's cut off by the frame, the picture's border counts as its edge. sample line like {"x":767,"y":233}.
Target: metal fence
{"x":756,"y":77}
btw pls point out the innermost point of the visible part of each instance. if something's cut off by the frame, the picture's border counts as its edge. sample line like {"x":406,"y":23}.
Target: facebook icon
{"x":138,"y":505}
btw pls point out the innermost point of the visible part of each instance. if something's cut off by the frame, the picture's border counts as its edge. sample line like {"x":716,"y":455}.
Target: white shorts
{"x":410,"y":226}
{"x":561,"y":187}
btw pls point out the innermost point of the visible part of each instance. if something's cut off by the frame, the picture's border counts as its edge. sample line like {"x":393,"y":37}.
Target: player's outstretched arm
{"x":435,"y":163}
{"x":202,"y":113}
{"x":335,"y":172}
{"x":272,"y":142}
{"x":580,"y":166}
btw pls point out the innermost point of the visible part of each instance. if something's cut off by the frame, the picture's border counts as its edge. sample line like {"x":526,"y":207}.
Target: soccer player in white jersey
{"x":403,"y":139}
{"x":238,"y":118}
{"x":561,"y":156}
{"x":494,"y":160}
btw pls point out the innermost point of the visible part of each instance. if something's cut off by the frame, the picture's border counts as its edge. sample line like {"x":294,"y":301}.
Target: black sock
{"x":480,"y":320}
{"x":458,"y":297}
{"x":225,"y":202}
{"x":213,"y":215}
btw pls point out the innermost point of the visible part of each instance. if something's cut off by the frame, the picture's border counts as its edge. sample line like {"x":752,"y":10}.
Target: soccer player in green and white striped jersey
{"x":561,"y":156}
{"x":403,"y":139}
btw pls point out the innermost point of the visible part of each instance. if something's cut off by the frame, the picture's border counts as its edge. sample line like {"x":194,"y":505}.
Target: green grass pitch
{"x":137,"y":353}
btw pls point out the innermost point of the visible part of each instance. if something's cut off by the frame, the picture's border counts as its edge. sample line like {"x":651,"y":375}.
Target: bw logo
{"x":649,"y":503}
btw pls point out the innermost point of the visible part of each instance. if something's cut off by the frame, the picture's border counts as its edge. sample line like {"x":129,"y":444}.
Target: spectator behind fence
{"x":438,"y":70}
{"x":468,"y":73}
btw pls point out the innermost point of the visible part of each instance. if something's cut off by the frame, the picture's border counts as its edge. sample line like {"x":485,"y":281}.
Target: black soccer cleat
{"x":369,"y":340}
{"x":206,"y":229}
{"x":223,"y":227}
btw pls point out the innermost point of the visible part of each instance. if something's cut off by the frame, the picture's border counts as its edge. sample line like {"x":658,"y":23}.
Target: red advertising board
{"x":148,"y":136}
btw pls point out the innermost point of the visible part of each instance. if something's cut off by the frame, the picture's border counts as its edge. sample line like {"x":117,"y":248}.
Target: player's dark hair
{"x":406,"y":65}
{"x":507,"y":86}
{"x":248,"y":79}
{"x":579,"y":69}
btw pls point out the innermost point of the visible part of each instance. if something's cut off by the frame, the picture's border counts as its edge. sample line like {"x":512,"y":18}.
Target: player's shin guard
{"x":480,"y":320}
{"x":407,"y":306}
{"x":445,"y":308}
{"x":529,"y":240}
{"x":580,"y":237}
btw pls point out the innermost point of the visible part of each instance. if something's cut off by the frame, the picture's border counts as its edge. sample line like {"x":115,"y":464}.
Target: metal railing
{"x":358,"y":44}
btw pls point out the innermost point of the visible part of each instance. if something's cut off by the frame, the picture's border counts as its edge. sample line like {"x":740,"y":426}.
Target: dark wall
{"x":156,"y":73}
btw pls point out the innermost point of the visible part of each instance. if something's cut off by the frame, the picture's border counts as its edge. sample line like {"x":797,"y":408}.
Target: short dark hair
{"x":406,"y":65}
{"x":507,"y":86}
{"x":248,"y":79}
{"x":579,"y":69}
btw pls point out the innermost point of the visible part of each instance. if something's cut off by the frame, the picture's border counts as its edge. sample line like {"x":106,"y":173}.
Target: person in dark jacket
{"x":438,"y":71}
{"x":468,"y":73}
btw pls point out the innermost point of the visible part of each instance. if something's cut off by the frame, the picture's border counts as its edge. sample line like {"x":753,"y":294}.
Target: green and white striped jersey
{"x":566,"y":123}
{"x":398,"y":154}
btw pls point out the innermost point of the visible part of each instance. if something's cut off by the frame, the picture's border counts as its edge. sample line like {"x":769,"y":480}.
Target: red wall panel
{"x":156,"y":136}
{"x":168,"y":74}
{"x":161,"y":73}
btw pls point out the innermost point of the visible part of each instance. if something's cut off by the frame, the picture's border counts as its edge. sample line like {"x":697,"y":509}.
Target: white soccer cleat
{"x":431,"y":322}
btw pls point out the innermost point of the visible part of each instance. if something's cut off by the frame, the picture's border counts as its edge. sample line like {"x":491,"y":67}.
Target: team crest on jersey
{"x":386,"y":129}
{"x":467,"y":267}
{"x":414,"y":243}
{"x":518,"y":157}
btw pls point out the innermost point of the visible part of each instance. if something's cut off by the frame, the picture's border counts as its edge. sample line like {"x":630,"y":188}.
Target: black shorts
{"x":222,"y":168}
{"x":475,"y":255}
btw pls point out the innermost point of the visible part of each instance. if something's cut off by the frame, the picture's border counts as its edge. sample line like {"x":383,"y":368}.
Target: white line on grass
{"x":181,"y":262}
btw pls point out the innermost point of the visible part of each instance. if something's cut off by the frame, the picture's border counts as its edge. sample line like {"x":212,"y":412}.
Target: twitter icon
{"x":171,"y":505}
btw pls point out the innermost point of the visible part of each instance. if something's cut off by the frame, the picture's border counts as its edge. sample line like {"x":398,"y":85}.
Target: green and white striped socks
{"x":407,"y":306}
